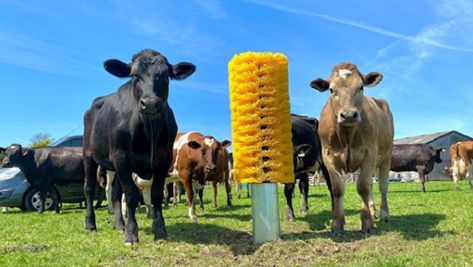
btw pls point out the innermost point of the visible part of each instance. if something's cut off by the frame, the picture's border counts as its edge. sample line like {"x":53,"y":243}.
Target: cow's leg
{"x":338,"y":189}
{"x":228,"y":189}
{"x":364,"y":188}
{"x":146,"y":191}
{"x":200,"y":192}
{"x":288,"y":191}
{"x":186,"y":181}
{"x":43,"y":192}
{"x":383,"y":188}
{"x":90,"y":167}
{"x":132,"y":197}
{"x":166,"y":195}
{"x":304,"y":188}
{"x":108,"y":191}
{"x":55,"y":197}
{"x":214,"y":191}
{"x":116,"y":200}
{"x":159,"y":227}
{"x":238,"y":189}
{"x":328,"y":182}
{"x":421,"y":172}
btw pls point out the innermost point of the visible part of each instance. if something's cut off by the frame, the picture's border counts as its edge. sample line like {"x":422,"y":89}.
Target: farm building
{"x":441,"y":139}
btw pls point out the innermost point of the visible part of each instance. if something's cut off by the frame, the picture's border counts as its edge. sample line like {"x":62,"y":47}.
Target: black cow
{"x":133,"y":131}
{"x":44,"y":167}
{"x":307,"y":159}
{"x":416,"y":157}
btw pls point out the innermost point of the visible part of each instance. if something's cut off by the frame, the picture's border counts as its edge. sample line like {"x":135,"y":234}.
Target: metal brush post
{"x":265,"y":212}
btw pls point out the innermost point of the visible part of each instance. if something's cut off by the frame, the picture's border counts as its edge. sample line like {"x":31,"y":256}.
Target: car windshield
{"x":57,"y":142}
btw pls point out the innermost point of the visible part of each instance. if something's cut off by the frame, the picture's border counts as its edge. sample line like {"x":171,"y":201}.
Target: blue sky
{"x":51,"y":55}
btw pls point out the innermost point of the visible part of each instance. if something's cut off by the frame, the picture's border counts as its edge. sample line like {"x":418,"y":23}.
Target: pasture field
{"x":431,"y":229}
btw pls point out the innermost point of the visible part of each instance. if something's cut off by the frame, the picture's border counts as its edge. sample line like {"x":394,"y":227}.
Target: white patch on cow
{"x":209,"y":141}
{"x":344,"y":73}
{"x":184,"y":139}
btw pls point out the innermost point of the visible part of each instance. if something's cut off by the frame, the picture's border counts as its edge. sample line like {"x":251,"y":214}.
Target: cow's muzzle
{"x":151,"y":105}
{"x":349,"y":117}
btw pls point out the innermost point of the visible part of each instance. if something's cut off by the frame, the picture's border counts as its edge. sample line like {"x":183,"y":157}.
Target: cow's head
{"x":201,"y":153}
{"x":219,"y":149}
{"x":150,"y":73}
{"x":346,"y":85}
{"x":436,"y":155}
{"x":13,"y":156}
{"x":300,"y":152}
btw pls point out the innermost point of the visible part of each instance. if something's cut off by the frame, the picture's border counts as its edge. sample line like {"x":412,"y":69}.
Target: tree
{"x":41,"y":140}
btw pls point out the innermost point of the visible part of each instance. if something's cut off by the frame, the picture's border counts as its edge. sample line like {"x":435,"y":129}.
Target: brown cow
{"x":356,"y":132}
{"x":192,"y":164}
{"x":461,"y":156}
{"x":221,"y":158}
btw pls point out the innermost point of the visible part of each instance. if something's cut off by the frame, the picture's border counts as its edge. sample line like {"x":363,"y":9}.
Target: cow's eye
{"x":333,"y":92}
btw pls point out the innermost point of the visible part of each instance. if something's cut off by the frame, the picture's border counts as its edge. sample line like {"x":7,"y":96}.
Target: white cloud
{"x":416,"y":39}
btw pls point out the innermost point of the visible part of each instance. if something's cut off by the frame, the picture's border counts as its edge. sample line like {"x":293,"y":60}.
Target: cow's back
{"x":61,"y":164}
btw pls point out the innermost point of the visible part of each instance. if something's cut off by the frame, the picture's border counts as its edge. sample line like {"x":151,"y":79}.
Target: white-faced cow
{"x":221,"y":157}
{"x":307,"y":159}
{"x":132,"y":131}
{"x":192,"y":164}
{"x":356,"y":132}
{"x":462,"y":157}
{"x":44,"y":167}
{"x":415,"y":157}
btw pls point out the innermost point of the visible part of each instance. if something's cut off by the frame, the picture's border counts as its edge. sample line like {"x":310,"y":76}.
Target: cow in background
{"x":461,"y":158}
{"x":133,"y":131}
{"x":221,"y":157}
{"x":193,"y":163}
{"x":416,"y":157}
{"x":356,"y":132}
{"x":307,"y":159}
{"x":46,"y":166}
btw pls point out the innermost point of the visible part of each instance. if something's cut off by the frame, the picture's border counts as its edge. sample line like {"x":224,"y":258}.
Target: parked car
{"x":15,"y":191}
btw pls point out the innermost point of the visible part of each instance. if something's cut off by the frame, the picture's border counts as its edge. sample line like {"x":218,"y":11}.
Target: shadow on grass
{"x":240,"y":217}
{"x":239,"y":242}
{"x":411,"y":227}
{"x":418,"y":191}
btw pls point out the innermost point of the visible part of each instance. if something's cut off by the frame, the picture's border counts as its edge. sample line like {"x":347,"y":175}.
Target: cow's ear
{"x":320,"y":85}
{"x":24,"y":152}
{"x":117,"y":68}
{"x":2,"y":150}
{"x":226,"y":143}
{"x":372,"y":79}
{"x":303,"y":150}
{"x":182,"y":70}
{"x":194,"y":144}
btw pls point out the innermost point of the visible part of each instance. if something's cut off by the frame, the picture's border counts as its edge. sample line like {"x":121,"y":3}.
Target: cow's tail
{"x":454,"y":153}
{"x":326,"y":175}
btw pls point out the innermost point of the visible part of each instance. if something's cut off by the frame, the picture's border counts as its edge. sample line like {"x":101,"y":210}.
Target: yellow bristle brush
{"x":261,"y":122}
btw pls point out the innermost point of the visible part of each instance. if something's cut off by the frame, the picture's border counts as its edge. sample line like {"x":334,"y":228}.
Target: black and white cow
{"x":133,"y":131}
{"x":307,"y":159}
{"x":415,"y":157}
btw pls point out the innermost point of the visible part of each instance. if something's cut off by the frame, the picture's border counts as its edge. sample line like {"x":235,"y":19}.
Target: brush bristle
{"x":261,"y":122}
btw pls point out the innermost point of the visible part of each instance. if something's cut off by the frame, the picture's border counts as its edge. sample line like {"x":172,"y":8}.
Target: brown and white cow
{"x":356,"y":132}
{"x":221,"y":157}
{"x":462,"y":167}
{"x":192,"y":164}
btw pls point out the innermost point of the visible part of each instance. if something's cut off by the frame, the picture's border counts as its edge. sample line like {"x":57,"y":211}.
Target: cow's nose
{"x":151,"y":105}
{"x":349,"y":115}
{"x":210,"y":168}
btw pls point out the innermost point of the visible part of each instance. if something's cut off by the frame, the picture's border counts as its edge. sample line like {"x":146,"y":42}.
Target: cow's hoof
{"x":130,"y":244}
{"x":384,"y":217}
{"x":161,"y":235}
{"x":368,"y":231}
{"x":303,"y":213}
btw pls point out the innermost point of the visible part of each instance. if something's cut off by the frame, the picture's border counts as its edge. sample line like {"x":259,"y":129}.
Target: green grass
{"x":432,"y":229}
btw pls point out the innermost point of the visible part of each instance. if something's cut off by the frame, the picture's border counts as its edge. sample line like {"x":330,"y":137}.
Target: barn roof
{"x":427,"y":138}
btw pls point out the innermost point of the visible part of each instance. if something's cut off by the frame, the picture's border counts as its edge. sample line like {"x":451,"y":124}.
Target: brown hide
{"x":461,"y":157}
{"x":193,"y":162}
{"x":356,"y":132}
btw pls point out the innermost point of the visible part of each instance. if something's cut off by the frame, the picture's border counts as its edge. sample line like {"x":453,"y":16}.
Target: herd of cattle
{"x":131,"y":141}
